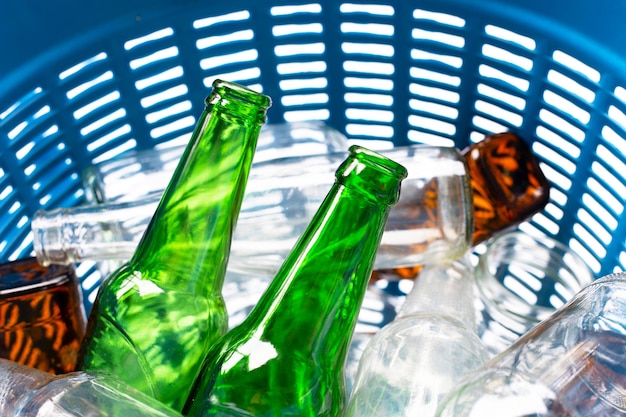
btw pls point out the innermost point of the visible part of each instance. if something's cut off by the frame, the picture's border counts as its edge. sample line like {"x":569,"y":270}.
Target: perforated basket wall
{"x":82,"y":82}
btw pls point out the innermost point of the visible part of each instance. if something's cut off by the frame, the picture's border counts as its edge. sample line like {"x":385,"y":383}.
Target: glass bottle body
{"x":432,"y":220}
{"x":287,"y":357}
{"x":522,"y":279}
{"x":507,"y":187}
{"x":42,"y":319}
{"x":571,"y":364}
{"x":451,"y":201}
{"x":139,"y":174}
{"x":412,"y":362}
{"x":155,"y":316}
{"x":29,"y":392}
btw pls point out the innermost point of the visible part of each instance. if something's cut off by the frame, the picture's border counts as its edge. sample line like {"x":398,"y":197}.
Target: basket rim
{"x":35,"y":40}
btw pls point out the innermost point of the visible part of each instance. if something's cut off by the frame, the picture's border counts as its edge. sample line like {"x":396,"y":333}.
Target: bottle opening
{"x":521,"y":280}
{"x":225,"y":91}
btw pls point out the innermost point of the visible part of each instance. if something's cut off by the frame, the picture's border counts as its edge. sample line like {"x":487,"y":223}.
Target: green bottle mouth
{"x":226,"y":93}
{"x":381,"y":162}
{"x":376,"y":174}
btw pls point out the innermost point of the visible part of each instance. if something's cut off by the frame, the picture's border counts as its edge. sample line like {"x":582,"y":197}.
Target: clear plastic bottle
{"x":29,"y":392}
{"x":412,"y":362}
{"x":570,"y":365}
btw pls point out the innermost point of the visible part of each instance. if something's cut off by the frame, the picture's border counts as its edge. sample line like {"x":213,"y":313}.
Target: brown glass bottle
{"x":508,"y":187}
{"x":42,"y":318}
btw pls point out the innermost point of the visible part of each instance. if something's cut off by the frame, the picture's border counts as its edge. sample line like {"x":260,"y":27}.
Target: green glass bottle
{"x":155,"y":317}
{"x":287,"y":357}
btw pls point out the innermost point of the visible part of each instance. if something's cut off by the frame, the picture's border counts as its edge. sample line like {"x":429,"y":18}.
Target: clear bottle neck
{"x":196,"y":216}
{"x":445,"y":289}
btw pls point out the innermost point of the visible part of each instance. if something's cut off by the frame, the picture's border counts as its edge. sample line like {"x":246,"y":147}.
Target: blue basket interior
{"x":83,"y":82}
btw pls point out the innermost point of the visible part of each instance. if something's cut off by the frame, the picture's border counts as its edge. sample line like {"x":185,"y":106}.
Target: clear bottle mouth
{"x":48,"y":238}
{"x":522,"y":279}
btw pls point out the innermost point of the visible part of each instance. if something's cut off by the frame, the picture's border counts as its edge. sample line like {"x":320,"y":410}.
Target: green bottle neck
{"x":313,"y":302}
{"x":187,"y":242}
{"x":312,"y":305}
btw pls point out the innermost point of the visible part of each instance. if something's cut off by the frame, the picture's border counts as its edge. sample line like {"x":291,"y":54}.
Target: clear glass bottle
{"x":287,"y":357}
{"x":154,"y":318}
{"x":522,"y":279}
{"x":42,"y":318}
{"x":570,"y":365}
{"x":138,"y":174}
{"x":445,"y":208}
{"x":412,"y":362}
{"x":29,"y":392}
{"x":432,"y":220}
{"x":143,"y":174}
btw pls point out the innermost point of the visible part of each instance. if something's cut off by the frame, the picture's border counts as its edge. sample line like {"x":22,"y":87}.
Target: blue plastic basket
{"x":83,"y":81}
